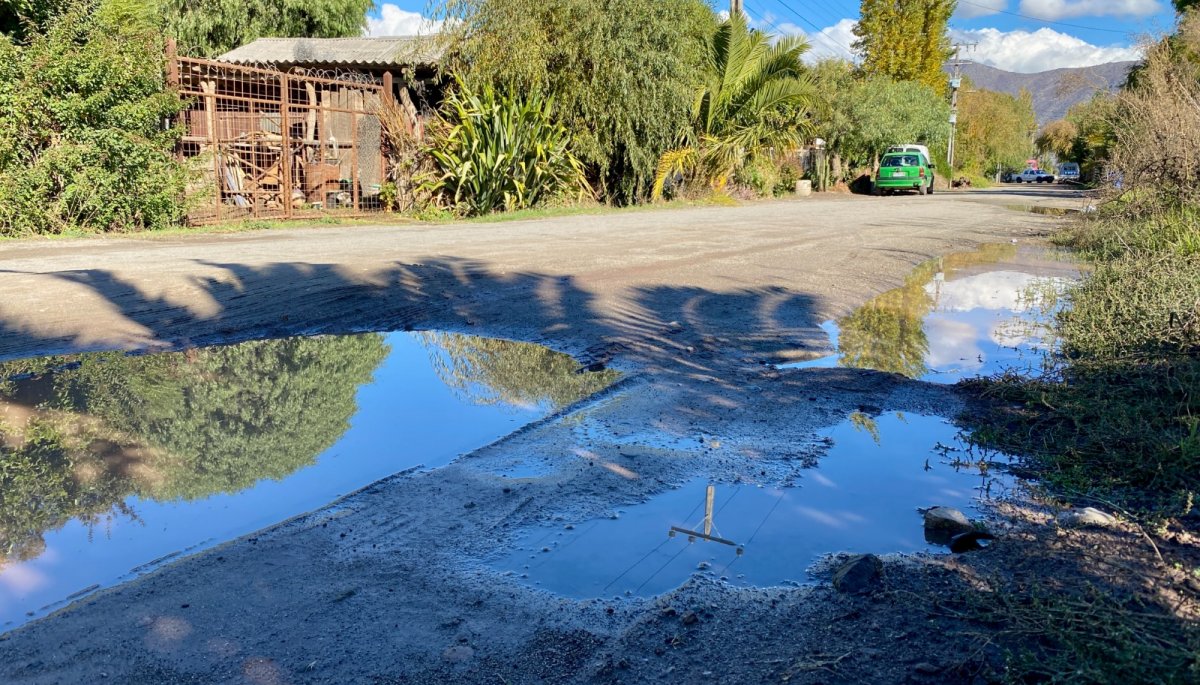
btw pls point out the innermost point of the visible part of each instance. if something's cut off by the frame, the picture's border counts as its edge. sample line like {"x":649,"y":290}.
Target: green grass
{"x":1086,"y":635}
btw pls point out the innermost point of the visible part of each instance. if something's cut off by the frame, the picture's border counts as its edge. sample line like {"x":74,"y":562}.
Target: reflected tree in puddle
{"x":887,"y":333}
{"x":81,"y":434}
{"x":493,"y":371}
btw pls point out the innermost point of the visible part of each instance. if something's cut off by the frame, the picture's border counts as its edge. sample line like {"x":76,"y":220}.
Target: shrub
{"x":83,"y":141}
{"x":497,"y":151}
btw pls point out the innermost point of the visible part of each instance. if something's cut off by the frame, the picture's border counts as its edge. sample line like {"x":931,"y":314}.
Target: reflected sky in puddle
{"x":963,"y":315}
{"x":862,"y":497}
{"x":111,"y":464}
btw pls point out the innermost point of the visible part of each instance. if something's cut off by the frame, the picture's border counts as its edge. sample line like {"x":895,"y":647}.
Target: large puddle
{"x":863,"y":496}
{"x":963,"y":315}
{"x":112,"y":464}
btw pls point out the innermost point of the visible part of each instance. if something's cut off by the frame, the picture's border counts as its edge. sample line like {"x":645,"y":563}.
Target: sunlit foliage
{"x":905,"y":40}
{"x":622,"y":73}
{"x":753,"y":101}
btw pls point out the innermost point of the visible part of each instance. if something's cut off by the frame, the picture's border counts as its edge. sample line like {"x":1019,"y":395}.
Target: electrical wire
{"x":1044,"y":21}
{"x":820,"y":31}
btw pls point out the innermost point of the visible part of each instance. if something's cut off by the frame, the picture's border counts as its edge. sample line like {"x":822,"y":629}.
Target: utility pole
{"x":735,"y":8}
{"x":955,"y":84}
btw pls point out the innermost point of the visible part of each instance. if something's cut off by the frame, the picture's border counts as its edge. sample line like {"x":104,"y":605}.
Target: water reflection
{"x":863,"y":496}
{"x":492,"y":371}
{"x":108,"y":461}
{"x":968,"y":313}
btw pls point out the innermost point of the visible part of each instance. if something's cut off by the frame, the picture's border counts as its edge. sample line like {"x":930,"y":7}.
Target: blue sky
{"x":1051,"y":34}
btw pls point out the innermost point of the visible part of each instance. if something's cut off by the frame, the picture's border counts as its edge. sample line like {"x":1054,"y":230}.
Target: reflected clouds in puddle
{"x":966,"y":314}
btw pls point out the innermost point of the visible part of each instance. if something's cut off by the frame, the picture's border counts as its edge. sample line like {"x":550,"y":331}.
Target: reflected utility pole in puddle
{"x":709,"y":495}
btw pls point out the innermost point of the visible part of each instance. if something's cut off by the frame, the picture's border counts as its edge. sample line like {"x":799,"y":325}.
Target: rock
{"x":861,"y":574}
{"x":1088,"y":517}
{"x":969,"y":542}
{"x":926,"y":668}
{"x":943,"y":523}
{"x":689,"y":618}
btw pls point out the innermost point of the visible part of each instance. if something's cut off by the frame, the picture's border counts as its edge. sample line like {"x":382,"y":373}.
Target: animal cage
{"x":265,"y":143}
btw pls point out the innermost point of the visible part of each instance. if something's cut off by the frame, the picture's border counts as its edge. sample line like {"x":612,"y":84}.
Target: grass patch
{"x":1118,"y":417}
{"x":1087,"y":636}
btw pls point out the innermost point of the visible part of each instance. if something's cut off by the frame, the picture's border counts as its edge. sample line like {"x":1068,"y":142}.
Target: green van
{"x":908,"y":170}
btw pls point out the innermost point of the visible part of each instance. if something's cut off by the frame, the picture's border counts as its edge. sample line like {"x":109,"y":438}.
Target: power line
{"x":1044,"y":21}
{"x":816,"y":28}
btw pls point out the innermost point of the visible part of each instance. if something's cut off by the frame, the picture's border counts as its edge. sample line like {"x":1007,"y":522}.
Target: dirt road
{"x":690,"y":302}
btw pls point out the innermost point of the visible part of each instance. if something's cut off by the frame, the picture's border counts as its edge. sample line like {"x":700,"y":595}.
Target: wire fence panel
{"x":276,"y":145}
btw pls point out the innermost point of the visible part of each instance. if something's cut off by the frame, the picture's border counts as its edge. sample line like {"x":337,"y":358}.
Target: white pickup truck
{"x":1034,"y":176}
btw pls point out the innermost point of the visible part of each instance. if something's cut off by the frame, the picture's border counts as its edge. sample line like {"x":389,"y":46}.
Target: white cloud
{"x":1066,"y":9}
{"x":831,"y":41}
{"x":393,"y":21}
{"x":1028,"y":52}
{"x":970,"y":9}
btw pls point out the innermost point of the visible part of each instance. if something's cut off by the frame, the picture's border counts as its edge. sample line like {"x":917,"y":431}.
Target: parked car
{"x":911,"y":147}
{"x":1068,"y":172}
{"x":906,"y":170}
{"x":1034,"y":176}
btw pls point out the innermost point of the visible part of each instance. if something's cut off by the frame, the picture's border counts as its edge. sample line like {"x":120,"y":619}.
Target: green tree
{"x":1094,"y":122}
{"x":905,"y":40}
{"x":753,"y":101}
{"x":621,"y":72}
{"x":1058,"y":137}
{"x":884,"y":112}
{"x":994,"y":130}
{"x":207,"y":28}
{"x":20,"y":18}
{"x":82,"y":141}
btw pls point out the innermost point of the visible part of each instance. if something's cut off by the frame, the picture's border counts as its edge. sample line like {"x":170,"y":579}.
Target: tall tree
{"x":994,"y":130}
{"x":622,"y":73}
{"x":206,"y":28}
{"x":1058,"y":137}
{"x":905,"y":40}
{"x":753,"y":101}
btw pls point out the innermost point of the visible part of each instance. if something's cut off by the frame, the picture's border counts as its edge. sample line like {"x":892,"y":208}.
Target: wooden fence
{"x":271,"y":144}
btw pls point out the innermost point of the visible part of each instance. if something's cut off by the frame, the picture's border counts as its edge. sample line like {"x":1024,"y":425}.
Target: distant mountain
{"x":1054,"y":91}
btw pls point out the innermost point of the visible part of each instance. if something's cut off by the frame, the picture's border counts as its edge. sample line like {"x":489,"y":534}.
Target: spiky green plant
{"x":753,"y":102}
{"x":498,"y":151}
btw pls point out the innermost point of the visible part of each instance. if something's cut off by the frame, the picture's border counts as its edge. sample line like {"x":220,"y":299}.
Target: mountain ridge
{"x":1054,"y":91}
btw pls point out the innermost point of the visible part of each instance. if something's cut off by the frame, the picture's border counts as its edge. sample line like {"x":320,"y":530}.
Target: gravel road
{"x":372,"y":589}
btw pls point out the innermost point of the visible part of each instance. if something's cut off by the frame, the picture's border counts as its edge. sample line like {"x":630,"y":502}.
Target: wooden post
{"x":285,"y":151}
{"x":210,"y":122}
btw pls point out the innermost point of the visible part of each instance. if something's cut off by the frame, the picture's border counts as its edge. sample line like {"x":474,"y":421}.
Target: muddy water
{"x":963,"y":315}
{"x":863,"y":496}
{"x":111,"y":464}
{"x":955,"y":317}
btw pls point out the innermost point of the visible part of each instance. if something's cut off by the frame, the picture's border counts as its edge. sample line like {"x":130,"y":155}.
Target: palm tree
{"x":753,"y":101}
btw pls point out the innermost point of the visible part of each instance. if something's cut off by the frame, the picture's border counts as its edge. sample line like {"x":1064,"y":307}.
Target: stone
{"x":926,"y":668}
{"x":971,"y":541}
{"x":1088,"y":517}
{"x":943,"y":523}
{"x":859,"y":575}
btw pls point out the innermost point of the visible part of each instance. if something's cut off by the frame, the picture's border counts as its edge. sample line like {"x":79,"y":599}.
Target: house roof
{"x":390,"y":52}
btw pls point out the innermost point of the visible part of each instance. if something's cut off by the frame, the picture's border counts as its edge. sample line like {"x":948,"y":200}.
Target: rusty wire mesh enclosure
{"x":271,"y":144}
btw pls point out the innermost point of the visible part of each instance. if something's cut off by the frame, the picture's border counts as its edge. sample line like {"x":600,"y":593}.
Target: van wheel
{"x":930,"y":191}
{"x":922,"y":189}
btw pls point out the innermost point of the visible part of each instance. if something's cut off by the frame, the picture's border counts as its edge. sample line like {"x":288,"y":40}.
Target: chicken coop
{"x":291,"y":128}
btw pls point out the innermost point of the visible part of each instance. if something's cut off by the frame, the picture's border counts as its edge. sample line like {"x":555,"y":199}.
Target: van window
{"x":901,"y":160}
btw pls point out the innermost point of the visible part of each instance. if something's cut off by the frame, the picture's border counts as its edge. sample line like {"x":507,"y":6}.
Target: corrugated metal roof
{"x":393,"y":51}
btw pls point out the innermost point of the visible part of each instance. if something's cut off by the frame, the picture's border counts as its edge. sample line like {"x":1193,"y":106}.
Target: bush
{"x":501,"y":152}
{"x":84,"y":144}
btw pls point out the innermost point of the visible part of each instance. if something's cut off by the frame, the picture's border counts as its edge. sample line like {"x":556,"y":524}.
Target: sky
{"x":1025,"y":36}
